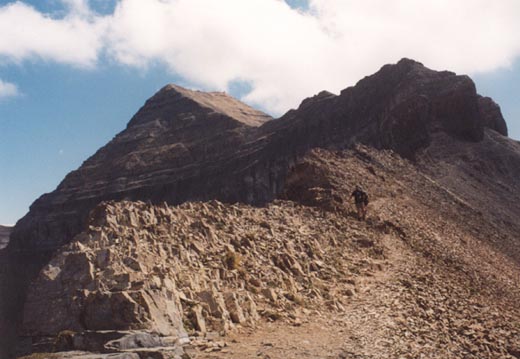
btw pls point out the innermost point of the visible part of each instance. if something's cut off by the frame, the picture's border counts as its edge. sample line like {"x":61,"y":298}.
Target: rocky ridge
{"x":187,"y":145}
{"x":433,"y":288}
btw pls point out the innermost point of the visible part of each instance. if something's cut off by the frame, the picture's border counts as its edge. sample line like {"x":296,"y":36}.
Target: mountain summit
{"x":172,"y":101}
{"x":433,"y":152}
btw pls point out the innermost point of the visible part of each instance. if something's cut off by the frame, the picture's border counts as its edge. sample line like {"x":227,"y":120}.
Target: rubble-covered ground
{"x":426,"y":276}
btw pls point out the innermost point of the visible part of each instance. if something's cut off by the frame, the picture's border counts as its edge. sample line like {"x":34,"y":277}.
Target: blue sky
{"x":68,"y":92}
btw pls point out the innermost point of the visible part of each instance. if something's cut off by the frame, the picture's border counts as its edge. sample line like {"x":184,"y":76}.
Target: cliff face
{"x":185,"y":145}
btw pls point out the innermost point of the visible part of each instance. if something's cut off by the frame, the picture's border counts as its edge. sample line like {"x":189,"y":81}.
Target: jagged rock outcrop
{"x":200,"y":267}
{"x":443,"y":289}
{"x":185,"y":146}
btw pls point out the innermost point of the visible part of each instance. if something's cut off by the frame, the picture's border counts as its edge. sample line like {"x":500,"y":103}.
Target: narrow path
{"x":356,"y":334}
{"x":369,"y":319}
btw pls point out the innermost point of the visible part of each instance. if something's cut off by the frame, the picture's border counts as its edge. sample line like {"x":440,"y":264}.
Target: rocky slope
{"x":185,"y":145}
{"x":411,"y":281}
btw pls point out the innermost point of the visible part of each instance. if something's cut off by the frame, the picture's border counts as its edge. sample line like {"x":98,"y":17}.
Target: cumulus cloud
{"x":211,"y":44}
{"x":284,"y":54}
{"x":7,"y":89}
{"x":75,"y":39}
{"x":465,"y":35}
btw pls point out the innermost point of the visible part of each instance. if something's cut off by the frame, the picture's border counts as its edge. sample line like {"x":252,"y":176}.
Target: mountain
{"x":447,"y":196}
{"x":185,"y":145}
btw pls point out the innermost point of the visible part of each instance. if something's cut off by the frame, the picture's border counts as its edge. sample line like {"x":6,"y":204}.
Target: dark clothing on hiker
{"x":361,"y":199}
{"x":360,"y":196}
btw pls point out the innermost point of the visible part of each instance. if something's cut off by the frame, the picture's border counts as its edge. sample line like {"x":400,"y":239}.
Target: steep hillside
{"x":484,"y":176}
{"x":421,"y":277}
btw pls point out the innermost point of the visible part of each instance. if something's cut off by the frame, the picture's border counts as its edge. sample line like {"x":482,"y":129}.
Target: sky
{"x":73,"y":72}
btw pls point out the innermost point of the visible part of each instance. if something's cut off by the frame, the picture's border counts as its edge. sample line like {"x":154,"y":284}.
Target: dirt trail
{"x":369,"y":320}
{"x":356,"y":333}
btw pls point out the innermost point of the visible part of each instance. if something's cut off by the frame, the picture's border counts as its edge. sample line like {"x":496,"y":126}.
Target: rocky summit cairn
{"x":205,"y":217}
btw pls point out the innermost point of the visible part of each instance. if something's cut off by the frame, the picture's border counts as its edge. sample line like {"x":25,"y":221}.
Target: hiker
{"x":361,"y":200}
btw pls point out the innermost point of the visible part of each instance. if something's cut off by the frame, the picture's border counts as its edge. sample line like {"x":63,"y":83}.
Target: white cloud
{"x":78,"y":7}
{"x":7,"y":89}
{"x":27,"y":34}
{"x":212,"y":43}
{"x":464,"y":35}
{"x":283,"y":53}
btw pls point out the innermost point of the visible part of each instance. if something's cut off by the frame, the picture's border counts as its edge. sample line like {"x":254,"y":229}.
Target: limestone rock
{"x":197,"y":319}
{"x":235,"y":310}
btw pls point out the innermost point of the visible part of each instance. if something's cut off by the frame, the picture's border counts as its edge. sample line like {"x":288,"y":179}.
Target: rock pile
{"x":198,"y":268}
